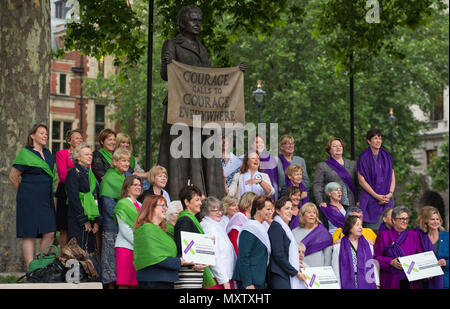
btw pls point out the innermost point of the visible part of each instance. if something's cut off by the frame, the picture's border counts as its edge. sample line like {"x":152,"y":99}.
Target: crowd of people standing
{"x":266,"y":230}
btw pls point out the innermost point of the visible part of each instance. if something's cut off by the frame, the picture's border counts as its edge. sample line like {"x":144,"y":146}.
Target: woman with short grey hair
{"x":334,"y":211}
{"x":83,"y":215}
{"x":225,"y":257}
{"x":392,"y":244}
{"x":174,"y":208}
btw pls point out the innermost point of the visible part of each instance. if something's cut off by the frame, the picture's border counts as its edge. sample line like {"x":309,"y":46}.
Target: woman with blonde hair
{"x":124,"y":140}
{"x":110,"y":189}
{"x":434,"y":238}
{"x":157,"y":177}
{"x":314,"y":235}
{"x":239,"y":218}
{"x":230,"y":207}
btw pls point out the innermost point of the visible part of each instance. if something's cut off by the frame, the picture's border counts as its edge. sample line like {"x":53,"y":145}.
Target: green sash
{"x":87,"y":199}
{"x":111,"y":184}
{"x":28,"y":158}
{"x":208,"y":279}
{"x":126,"y":211}
{"x":106,"y":154}
{"x":152,"y":246}
{"x":132,"y":162}
{"x":170,"y":230}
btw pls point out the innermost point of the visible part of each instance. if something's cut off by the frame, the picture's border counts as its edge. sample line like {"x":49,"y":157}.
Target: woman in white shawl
{"x":250,"y":179}
{"x":284,"y":267}
{"x":254,"y":246}
{"x":225,"y":257}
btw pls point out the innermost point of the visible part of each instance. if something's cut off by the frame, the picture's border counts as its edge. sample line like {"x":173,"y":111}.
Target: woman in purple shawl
{"x":294,"y":178}
{"x":392,"y":244}
{"x":268,"y":164}
{"x":434,"y":238}
{"x":376,"y":177}
{"x":336,"y":169}
{"x":334,"y":211}
{"x":314,"y":236}
{"x":351,"y":258}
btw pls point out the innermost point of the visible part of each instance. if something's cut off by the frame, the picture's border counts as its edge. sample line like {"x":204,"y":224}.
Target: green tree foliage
{"x":309,"y":101}
{"x":305,"y":96}
{"x":106,"y":27}
{"x":438,"y":169}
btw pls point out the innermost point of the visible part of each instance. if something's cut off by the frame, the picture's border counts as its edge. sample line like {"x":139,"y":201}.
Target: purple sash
{"x":378,"y":174}
{"x":344,"y":175}
{"x":288,"y":183}
{"x":318,"y":239}
{"x":346,"y":270}
{"x":434,"y":282}
{"x":269,"y":166}
{"x":333,"y":215}
{"x":285,"y":163}
{"x":395,"y":251}
{"x":382,"y":227}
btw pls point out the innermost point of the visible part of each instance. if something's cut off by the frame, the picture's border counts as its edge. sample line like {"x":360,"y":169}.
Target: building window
{"x":99,"y":121}
{"x":59,"y":130}
{"x":430,"y":155}
{"x":62,"y":83}
{"x":60,"y":9}
{"x":437,"y":111}
{"x":101,"y":66}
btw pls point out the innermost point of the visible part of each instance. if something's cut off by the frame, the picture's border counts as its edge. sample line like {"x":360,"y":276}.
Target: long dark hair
{"x":32,"y":131}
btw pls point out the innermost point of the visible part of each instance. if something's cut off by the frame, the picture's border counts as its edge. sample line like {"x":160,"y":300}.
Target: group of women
{"x":265,"y":229}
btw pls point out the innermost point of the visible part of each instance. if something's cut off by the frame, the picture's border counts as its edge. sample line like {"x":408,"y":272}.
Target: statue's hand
{"x":167,"y":58}
{"x":242,"y":66}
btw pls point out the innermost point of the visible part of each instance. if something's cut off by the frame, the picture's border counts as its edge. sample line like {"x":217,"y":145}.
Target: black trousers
{"x":155,"y":285}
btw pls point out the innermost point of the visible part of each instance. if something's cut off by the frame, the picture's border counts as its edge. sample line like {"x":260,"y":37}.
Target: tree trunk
{"x":25,"y":53}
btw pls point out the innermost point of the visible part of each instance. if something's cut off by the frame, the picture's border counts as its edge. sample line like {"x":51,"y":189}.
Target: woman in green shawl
{"x":125,"y":212}
{"x":197,"y":276}
{"x":83,"y":215}
{"x":32,"y":176}
{"x":102,"y":158}
{"x":155,"y":252}
{"x":124,"y":140}
{"x":110,"y":189}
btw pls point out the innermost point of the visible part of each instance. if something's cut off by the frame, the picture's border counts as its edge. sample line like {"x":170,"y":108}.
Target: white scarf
{"x":293,"y":253}
{"x":236,"y":222}
{"x":259,"y":231}
{"x":255,"y":188}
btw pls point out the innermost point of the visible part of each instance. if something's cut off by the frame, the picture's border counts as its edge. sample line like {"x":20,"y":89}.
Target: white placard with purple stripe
{"x":420,"y":266}
{"x":198,"y":248}
{"x":321,"y":278}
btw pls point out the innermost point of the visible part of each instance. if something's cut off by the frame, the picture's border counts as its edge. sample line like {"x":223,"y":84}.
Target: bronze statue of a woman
{"x":207,"y":174}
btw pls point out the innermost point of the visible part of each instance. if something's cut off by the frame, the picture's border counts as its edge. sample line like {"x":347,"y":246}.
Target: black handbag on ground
{"x":55,"y":272}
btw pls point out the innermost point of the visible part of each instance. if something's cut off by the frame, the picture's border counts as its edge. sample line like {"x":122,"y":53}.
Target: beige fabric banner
{"x":216,"y":94}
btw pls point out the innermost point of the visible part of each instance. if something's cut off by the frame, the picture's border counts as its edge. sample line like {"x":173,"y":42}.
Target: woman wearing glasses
{"x":392,"y":244}
{"x":155,"y":252}
{"x":222,"y":272}
{"x":125,"y":213}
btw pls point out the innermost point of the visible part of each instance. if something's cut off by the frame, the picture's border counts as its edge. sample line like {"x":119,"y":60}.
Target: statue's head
{"x":189,"y":20}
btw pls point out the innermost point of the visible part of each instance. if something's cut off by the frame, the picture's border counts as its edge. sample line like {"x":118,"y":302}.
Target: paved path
{"x":80,"y":286}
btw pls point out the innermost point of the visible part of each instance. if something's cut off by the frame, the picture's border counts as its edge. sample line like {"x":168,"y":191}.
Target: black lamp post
{"x":392,"y":121}
{"x":258,"y":99}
